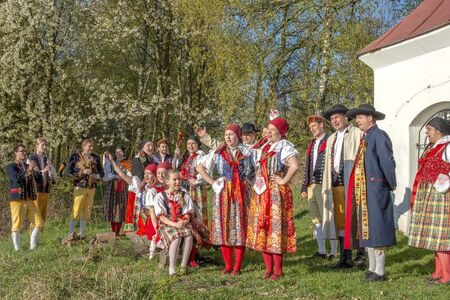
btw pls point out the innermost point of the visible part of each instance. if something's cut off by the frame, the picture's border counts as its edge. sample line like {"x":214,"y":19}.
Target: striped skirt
{"x":430,"y":219}
{"x":115,"y":203}
{"x":279,"y":236}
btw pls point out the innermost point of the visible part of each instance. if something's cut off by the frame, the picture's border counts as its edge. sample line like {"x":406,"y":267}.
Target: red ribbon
{"x":185,"y":174}
{"x":174,"y":210}
{"x":349,"y":206}
{"x":236,"y":189}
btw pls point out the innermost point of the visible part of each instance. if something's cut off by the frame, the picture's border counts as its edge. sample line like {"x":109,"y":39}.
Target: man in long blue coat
{"x":370,"y":190}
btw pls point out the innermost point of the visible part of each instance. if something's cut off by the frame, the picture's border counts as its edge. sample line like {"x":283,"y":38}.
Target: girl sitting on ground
{"x":173,"y":208}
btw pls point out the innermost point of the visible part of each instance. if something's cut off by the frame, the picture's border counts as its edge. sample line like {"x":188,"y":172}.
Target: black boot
{"x":360,"y":259}
{"x":345,"y":261}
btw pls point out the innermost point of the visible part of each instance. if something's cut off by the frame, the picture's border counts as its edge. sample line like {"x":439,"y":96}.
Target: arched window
{"x":423,"y":139}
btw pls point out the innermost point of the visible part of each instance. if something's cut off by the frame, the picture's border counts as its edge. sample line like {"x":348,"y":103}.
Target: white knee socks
{"x":16,"y":240}
{"x":380,"y":259}
{"x":82,"y":226}
{"x":34,"y":237}
{"x":72,"y":226}
{"x":319,"y":237}
{"x":173,"y":252}
{"x":334,"y":246}
{"x":187,"y":247}
{"x":377,"y":260}
{"x":372,"y":262}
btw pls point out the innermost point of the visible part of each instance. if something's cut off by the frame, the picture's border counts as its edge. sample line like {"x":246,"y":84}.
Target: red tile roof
{"x":428,"y":16}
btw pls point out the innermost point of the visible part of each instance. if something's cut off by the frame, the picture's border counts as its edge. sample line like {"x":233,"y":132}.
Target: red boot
{"x":277,"y":266}
{"x":268,"y":261}
{"x":227,"y":258}
{"x":238,"y":257}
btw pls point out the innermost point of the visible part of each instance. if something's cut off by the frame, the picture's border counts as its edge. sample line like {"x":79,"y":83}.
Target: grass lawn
{"x":53,"y":271}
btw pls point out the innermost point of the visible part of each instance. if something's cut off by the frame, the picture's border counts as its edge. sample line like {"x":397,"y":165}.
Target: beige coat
{"x":351,"y":143}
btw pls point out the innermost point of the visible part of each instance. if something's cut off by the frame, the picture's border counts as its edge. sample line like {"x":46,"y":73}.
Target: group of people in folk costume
{"x":348,"y":181}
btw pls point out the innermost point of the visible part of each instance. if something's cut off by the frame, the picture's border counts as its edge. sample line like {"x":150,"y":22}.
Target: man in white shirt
{"x":342,"y":146}
{"x":312,"y":183}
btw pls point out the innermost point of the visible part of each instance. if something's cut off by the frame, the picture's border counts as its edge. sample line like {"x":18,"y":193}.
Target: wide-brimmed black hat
{"x":365,"y":109}
{"x":248,"y":128}
{"x":336,"y":109}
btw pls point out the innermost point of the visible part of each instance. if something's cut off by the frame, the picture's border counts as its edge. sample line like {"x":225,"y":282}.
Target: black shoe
{"x":374,"y":277}
{"x":319,"y":255}
{"x":360,"y":260}
{"x":368,"y":274}
{"x":342,"y":264}
{"x":331,"y":257}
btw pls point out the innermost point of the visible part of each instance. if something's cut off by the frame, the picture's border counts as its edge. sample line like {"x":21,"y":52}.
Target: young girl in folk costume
{"x":195,"y":185}
{"x":145,"y":222}
{"x":139,"y":162}
{"x":173,"y":208}
{"x":152,"y":223}
{"x":233,"y":164}
{"x":116,"y":190}
{"x":271,"y":219}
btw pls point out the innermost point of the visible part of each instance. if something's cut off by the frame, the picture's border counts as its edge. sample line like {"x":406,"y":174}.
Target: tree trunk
{"x":326,"y":57}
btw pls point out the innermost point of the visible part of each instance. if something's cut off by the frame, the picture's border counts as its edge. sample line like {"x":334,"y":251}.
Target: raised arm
{"x":119,"y":172}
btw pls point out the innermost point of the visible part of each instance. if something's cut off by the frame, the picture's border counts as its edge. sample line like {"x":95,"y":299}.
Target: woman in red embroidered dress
{"x":232,"y":162}
{"x":430,"y":202}
{"x":271,"y":220}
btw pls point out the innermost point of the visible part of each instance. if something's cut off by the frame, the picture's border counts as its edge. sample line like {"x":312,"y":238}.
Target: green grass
{"x":54,"y":271}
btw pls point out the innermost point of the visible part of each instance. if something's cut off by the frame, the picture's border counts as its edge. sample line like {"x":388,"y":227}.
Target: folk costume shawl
{"x":429,"y":158}
{"x":350,"y":147}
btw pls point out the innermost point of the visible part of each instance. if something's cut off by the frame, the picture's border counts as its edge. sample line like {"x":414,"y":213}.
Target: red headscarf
{"x":164,"y":165}
{"x":280,"y":124}
{"x":235,"y":128}
{"x":151,"y":168}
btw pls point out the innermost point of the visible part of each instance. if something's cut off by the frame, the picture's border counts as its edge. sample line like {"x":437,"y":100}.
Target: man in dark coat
{"x":371,"y":183}
{"x":312,"y":182}
{"x":22,"y":193}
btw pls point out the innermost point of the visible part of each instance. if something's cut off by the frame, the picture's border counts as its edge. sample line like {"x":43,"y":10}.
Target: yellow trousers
{"x":42,"y":204}
{"x":82,"y":203}
{"x":21,"y":209}
{"x":315,"y":203}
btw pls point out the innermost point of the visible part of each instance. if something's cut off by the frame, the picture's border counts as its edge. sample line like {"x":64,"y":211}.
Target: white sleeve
{"x":134,"y":186}
{"x":160,"y":208}
{"x":150,"y":198}
{"x":287,"y":152}
{"x":188,"y":207}
{"x":446,"y":154}
{"x":208,"y":160}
